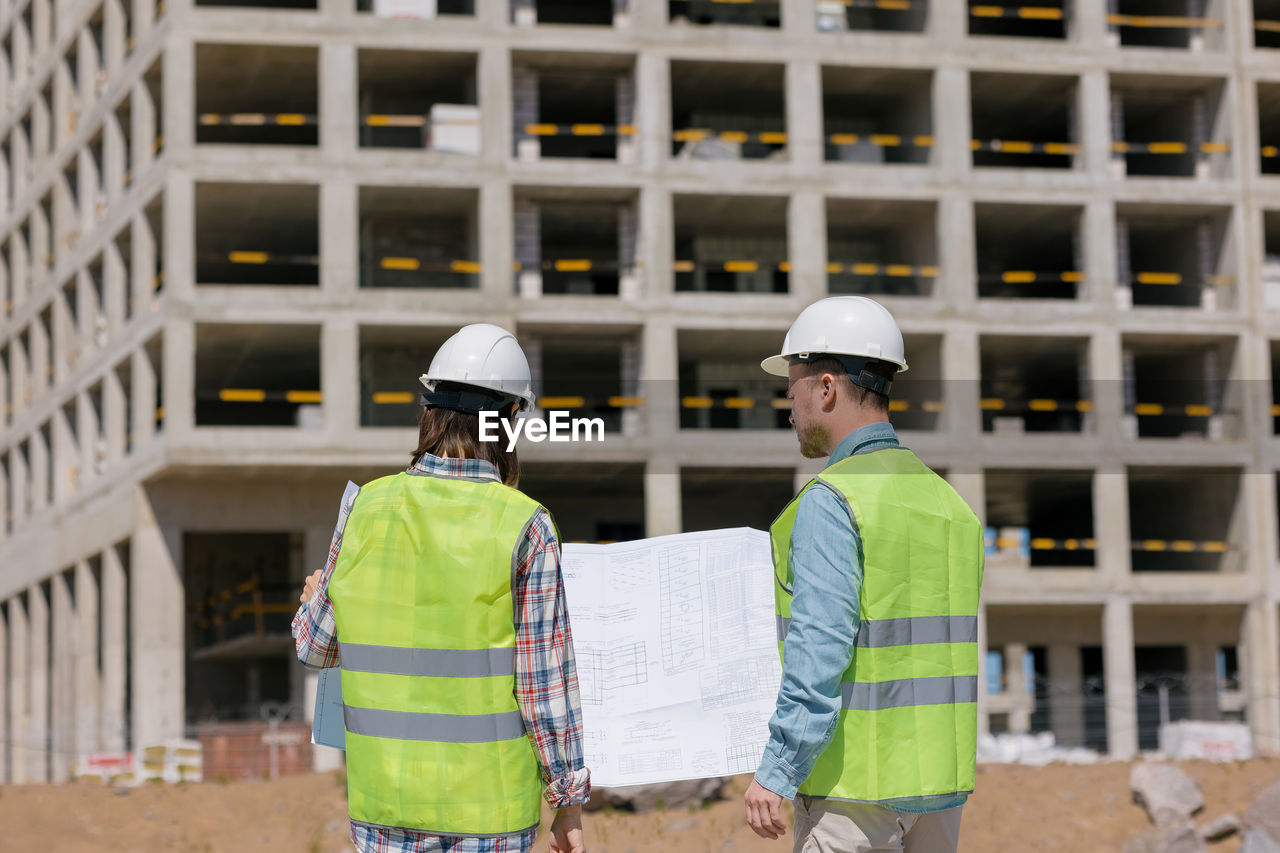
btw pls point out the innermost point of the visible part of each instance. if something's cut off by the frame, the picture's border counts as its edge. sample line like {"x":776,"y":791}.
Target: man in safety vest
{"x":443,"y":603}
{"x":878,"y":566}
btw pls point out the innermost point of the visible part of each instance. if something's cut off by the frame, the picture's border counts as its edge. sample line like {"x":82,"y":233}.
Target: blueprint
{"x":677,"y":658}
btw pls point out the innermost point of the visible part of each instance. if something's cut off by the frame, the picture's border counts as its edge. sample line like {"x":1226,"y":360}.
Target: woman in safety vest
{"x":442,"y":602}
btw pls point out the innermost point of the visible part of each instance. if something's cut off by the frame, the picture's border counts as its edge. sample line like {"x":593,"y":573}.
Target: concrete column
{"x":656,"y":248}
{"x":662,"y":510}
{"x":494,"y":83}
{"x":653,"y":105}
{"x":1262,"y":675}
{"x":1120,"y":678}
{"x":157,"y":610}
{"x":179,"y":378}
{"x":807,"y":245}
{"x":797,"y":17}
{"x":37,"y":758}
{"x":142,"y":130}
{"x":497,"y":241}
{"x":6,"y":725}
{"x":66,"y":457}
{"x":338,"y":93}
{"x":19,"y":707}
{"x":340,"y":377}
{"x":62,"y":697}
{"x":1066,"y":695}
{"x":339,"y":241}
{"x":1095,"y":119}
{"x":1100,"y":261}
{"x":804,"y":108}
{"x":39,"y":473}
{"x":88,"y":689}
{"x":1111,"y":523}
{"x":143,"y":400}
{"x":115,"y":405}
{"x":1017,"y":688}
{"x":179,"y":237}
{"x":178,"y":109}
{"x":114,"y":731}
{"x":142,"y":260}
{"x":958,"y":286}
{"x":952,"y":125}
{"x":960,"y":374}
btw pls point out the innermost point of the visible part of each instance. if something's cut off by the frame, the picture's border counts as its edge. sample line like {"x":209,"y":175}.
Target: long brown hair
{"x":445,"y":432}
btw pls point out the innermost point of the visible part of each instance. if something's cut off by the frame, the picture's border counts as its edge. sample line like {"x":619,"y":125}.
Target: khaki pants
{"x":833,"y":826}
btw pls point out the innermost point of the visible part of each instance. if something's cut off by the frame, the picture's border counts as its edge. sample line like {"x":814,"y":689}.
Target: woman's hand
{"x":309,"y":588}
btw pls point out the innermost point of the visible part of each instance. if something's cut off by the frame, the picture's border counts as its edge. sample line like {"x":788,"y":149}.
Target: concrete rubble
{"x":1262,"y":822}
{"x":1167,"y":793}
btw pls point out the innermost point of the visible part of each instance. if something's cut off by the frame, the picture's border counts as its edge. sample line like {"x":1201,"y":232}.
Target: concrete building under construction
{"x":233,"y":234}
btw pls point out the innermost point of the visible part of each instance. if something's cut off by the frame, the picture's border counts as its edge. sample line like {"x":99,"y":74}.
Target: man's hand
{"x":566,"y":831}
{"x":762,"y":811}
{"x":309,"y":588}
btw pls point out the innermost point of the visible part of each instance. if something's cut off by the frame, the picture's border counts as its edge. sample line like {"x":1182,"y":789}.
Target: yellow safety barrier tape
{"x":986,"y":11}
{"x":1148,"y":409}
{"x":382,"y":120}
{"x":1215,"y":147}
{"x":1199,"y":411}
{"x":540,"y":129}
{"x":1039,"y":405}
{"x":784,"y":266}
{"x":886,"y":140}
{"x":1040,"y":13}
{"x":562,"y":402}
{"x":588,"y":130}
{"x":399,"y":263}
{"x":1267,"y":26}
{"x":1017,"y":277}
{"x":241,"y":395}
{"x":620,"y":402}
{"x":739,"y":403}
{"x":572,"y":265}
{"x":1159,"y":278}
{"x":734,"y":136}
{"x":291,"y":119}
{"x":683,"y":266}
{"x":469,"y":267}
{"x":1171,"y":21}
{"x":247,"y":257}
{"x":991,"y":404}
{"x":1271,"y":151}
{"x":695,"y":402}
{"x":1166,"y":148}
{"x":392,"y":397}
{"x":741,"y":266}
{"x":897,"y":405}
{"x":303,"y":396}
{"x":1275,"y":411}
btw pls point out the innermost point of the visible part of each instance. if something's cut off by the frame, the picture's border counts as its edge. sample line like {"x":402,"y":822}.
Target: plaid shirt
{"x":546,"y":677}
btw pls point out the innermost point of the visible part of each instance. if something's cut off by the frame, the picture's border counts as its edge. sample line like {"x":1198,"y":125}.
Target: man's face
{"x":805,"y":393}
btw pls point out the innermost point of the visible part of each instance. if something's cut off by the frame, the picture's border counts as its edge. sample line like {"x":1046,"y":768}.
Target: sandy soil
{"x":1056,"y":808}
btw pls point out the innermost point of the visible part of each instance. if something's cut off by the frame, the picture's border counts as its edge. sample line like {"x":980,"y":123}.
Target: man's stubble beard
{"x":814,"y":441}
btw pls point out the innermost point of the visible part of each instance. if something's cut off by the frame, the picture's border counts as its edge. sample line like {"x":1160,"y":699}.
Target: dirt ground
{"x":1015,"y":808}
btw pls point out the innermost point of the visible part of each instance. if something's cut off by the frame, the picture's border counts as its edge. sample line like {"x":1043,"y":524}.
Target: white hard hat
{"x":841,"y":326}
{"x":485,"y":356}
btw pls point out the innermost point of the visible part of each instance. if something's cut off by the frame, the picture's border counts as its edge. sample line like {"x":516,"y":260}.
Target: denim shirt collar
{"x":864,"y":440}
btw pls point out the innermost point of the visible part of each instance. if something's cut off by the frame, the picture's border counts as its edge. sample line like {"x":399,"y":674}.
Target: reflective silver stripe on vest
{"x":917,"y":631}
{"x":451,"y":663}
{"x":908,"y":692}
{"x":783,"y":625}
{"x":444,"y":728}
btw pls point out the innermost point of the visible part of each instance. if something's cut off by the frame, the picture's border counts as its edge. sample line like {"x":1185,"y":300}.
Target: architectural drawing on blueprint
{"x":603,"y":669}
{"x":680,"y":589}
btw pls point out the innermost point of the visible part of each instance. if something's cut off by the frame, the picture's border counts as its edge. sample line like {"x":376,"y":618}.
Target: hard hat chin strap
{"x":467,"y":402}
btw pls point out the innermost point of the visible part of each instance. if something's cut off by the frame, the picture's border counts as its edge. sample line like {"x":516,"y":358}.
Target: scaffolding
{"x":257,"y":375}
{"x":1024,"y":120}
{"x":875,"y":115}
{"x":1029,"y":251}
{"x":257,"y":234}
{"x":734,"y":244}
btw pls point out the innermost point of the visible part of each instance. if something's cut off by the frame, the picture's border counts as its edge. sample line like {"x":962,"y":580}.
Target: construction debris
{"x":1176,"y":837}
{"x":1216,"y":830}
{"x":1168,"y":794}
{"x":1036,"y":750}
{"x":1263,"y":816}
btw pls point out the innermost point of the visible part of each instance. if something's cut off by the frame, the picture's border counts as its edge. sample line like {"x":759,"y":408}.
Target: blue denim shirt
{"x":826,"y":559}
